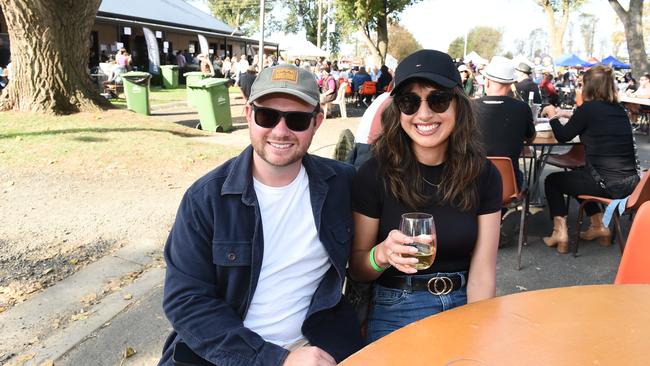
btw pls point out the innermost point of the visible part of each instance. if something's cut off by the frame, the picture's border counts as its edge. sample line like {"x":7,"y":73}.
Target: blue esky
{"x":435,"y":23}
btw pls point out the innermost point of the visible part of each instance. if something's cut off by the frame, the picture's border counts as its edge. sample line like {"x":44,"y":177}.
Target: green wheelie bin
{"x":169,"y":76}
{"x":136,"y":88}
{"x":192,"y":77}
{"x":213,"y":103}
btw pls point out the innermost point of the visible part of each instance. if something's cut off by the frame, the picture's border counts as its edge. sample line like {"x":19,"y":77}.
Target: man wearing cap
{"x":505,"y":121}
{"x":257,"y":255}
{"x":525,"y":85}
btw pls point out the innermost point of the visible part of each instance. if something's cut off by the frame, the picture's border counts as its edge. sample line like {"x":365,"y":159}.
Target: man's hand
{"x":309,"y":356}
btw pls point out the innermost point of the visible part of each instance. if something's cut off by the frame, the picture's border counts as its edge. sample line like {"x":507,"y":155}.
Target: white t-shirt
{"x":293,"y":264}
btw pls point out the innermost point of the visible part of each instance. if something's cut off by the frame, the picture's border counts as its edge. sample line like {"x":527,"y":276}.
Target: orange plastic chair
{"x":640,"y":195}
{"x":634,"y":268}
{"x":512,"y":199}
{"x":368,"y":88}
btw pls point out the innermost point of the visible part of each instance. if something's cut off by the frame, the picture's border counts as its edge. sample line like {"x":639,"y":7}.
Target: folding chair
{"x":513,"y":198}
{"x":640,"y":195}
{"x":634,"y":268}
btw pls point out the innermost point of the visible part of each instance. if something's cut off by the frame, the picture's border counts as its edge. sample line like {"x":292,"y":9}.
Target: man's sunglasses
{"x":268,"y":118}
{"x":437,"y":100}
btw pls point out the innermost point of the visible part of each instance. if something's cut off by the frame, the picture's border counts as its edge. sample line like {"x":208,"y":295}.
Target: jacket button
{"x":232,"y":256}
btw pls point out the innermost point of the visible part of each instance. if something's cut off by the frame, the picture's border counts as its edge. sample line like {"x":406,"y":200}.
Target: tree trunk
{"x":382,"y":34}
{"x":632,"y":22}
{"x":49,"y":53}
{"x":556,"y":30}
{"x":374,"y":50}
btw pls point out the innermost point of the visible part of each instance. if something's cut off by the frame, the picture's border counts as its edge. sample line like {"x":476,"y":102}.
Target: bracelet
{"x":374,"y":264}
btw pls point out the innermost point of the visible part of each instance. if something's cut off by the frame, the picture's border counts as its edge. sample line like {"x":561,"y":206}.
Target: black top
{"x":605,"y":130}
{"x":456,"y":230}
{"x":384,"y":79}
{"x":505,"y":123}
{"x":245,"y":82}
{"x":526,"y":86}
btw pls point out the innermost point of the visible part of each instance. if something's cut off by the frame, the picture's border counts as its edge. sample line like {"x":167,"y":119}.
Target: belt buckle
{"x":435,"y":283}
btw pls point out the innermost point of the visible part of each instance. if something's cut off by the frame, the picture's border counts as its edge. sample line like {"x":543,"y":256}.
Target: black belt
{"x":437,"y":285}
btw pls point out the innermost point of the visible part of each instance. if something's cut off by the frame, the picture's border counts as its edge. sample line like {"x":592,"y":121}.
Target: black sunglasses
{"x":437,"y":100}
{"x":268,"y":118}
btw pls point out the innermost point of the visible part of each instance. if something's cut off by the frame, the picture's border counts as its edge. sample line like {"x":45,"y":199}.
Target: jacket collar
{"x":240,"y":176}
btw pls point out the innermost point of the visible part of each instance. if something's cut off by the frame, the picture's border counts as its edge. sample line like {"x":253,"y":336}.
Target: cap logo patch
{"x":282,"y":74}
{"x":418,"y":65}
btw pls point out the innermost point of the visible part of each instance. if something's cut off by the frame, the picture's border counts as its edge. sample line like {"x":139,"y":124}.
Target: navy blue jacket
{"x":214,"y":257}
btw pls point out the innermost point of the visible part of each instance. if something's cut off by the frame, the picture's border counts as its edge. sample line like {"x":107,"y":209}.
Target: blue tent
{"x":572,"y":60}
{"x":613,"y":62}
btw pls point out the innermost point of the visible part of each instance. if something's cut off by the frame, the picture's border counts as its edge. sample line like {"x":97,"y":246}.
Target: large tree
{"x":240,"y":14}
{"x":303,"y":14}
{"x":50,"y":46}
{"x":371,"y":18}
{"x":401,"y":42}
{"x":557,"y":27}
{"x":588,"y":30}
{"x":633,"y":23}
{"x":483,"y":40}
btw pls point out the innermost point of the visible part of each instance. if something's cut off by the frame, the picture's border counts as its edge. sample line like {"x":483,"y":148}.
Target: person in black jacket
{"x":611,"y":164}
{"x":384,"y":79}
{"x":525,"y":84}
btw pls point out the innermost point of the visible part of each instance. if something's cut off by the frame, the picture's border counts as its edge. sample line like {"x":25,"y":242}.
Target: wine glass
{"x":421,"y":228}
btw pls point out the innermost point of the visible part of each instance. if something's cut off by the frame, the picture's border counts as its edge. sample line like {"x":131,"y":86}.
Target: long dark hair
{"x":464,"y":158}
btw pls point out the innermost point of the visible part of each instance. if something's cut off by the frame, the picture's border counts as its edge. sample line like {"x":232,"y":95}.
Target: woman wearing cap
{"x":611,"y":164}
{"x":428,"y":159}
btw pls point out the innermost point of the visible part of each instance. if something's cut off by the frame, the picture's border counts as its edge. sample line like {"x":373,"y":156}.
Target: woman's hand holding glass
{"x":395,"y":251}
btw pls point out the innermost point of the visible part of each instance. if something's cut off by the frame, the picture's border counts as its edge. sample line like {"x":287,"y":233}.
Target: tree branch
{"x":618,"y":8}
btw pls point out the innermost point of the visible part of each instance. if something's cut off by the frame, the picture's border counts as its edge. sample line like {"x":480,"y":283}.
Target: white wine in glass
{"x":421,"y":228}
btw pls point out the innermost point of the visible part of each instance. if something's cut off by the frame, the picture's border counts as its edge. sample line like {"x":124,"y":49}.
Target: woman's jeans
{"x":392,"y":309}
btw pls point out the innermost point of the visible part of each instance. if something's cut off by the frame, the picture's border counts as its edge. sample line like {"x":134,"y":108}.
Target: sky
{"x":435,"y":23}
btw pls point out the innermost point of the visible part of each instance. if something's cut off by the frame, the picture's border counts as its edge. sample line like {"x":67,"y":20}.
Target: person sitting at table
{"x":505,"y":122}
{"x":643,"y":91}
{"x":357,"y":82}
{"x":428,"y":159}
{"x":644,"y":88}
{"x":548,"y":90}
{"x":611,"y":168}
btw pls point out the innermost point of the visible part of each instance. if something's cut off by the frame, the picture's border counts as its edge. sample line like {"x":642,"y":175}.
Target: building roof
{"x":166,"y":12}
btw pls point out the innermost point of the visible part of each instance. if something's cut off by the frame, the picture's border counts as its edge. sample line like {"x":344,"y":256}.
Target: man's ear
{"x":318,"y":120}
{"x":248,"y":112}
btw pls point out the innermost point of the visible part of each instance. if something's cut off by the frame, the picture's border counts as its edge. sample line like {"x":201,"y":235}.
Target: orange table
{"x":582,"y":325}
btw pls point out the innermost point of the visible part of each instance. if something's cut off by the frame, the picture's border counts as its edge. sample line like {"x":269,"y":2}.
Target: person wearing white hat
{"x":467,"y":79}
{"x":505,"y":122}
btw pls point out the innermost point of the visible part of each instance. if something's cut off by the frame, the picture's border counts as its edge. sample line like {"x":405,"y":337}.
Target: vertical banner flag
{"x":203,"y":44}
{"x":152,"y":48}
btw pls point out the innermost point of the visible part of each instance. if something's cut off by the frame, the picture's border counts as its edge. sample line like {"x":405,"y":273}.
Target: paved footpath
{"x":133,"y":317}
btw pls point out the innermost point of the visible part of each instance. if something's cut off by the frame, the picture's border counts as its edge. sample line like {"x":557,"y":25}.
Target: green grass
{"x":116,"y":139}
{"x":161,"y":96}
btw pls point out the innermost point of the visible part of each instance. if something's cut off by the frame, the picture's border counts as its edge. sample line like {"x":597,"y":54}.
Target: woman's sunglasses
{"x":437,"y":100}
{"x":269,"y":118}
